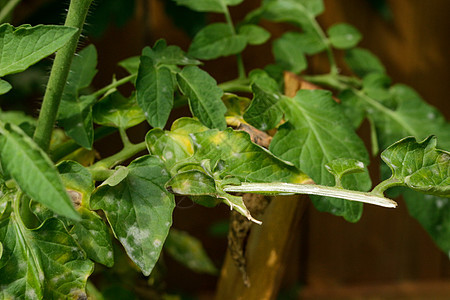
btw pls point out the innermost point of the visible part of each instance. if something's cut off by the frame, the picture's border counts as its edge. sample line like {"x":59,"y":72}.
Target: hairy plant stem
{"x":311,"y":189}
{"x":7,"y":9}
{"x":76,"y":16}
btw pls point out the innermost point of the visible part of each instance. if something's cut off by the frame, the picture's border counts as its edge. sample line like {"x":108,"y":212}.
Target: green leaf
{"x":41,"y":263}
{"x":75,"y":113}
{"x":24,"y":46}
{"x":204,"y":96}
{"x":169,"y":55}
{"x":288,"y":52}
{"x":154,"y":92}
{"x":255,"y":35}
{"x":16,"y":117}
{"x":420,"y":166}
{"x":264,"y":111}
{"x":120,"y":174}
{"x":363,"y":62}
{"x":4,"y":87}
{"x":311,"y":42}
{"x":295,"y":11}
{"x":117,"y":111}
{"x":317,"y":133}
{"x":344,"y":36}
{"x":131,"y":64}
{"x":342,"y":166}
{"x":189,"y":251}
{"x":33,"y":171}
{"x":433,"y":213}
{"x":218,"y":6}
{"x":139,"y":210}
{"x":216,"y":40}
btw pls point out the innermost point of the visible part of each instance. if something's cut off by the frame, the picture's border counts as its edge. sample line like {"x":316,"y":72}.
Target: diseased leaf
{"x":363,"y":62}
{"x":192,"y":182}
{"x":174,"y":145}
{"x":189,"y":251}
{"x":216,"y":40}
{"x":117,"y":111}
{"x":344,"y":36}
{"x":33,"y":171}
{"x":77,"y":180}
{"x":93,"y":236}
{"x":288,"y":52}
{"x":204,"y":96}
{"x":139,"y":210}
{"x":255,"y":35}
{"x":237,"y":156}
{"x":23,"y":46}
{"x":154,"y":92}
{"x":218,"y":6}
{"x":317,"y":133}
{"x":75,"y":112}
{"x":420,"y":166}
{"x":4,"y":87}
{"x":41,"y":263}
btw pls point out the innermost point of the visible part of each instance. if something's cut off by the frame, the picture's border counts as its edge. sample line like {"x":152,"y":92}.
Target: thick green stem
{"x":124,"y":154}
{"x":236,"y":85}
{"x":7,"y":9}
{"x":76,"y":16}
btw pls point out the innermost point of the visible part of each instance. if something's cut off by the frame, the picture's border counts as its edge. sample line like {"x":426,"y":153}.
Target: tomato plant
{"x":60,"y":214}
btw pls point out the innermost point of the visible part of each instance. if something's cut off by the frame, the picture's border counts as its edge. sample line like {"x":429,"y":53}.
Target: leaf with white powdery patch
{"x":33,"y":171}
{"x":139,"y":210}
{"x":23,"y":46}
{"x":41,"y":263}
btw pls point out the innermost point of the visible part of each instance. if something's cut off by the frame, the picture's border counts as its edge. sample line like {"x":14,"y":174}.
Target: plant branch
{"x":311,"y":189}
{"x":124,"y":154}
{"x":60,"y":70}
{"x":7,"y":9}
{"x":240,"y":62}
{"x":113,"y":85}
{"x":236,"y":85}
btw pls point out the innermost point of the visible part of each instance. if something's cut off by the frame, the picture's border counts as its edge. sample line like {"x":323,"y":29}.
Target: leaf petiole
{"x":311,"y":189}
